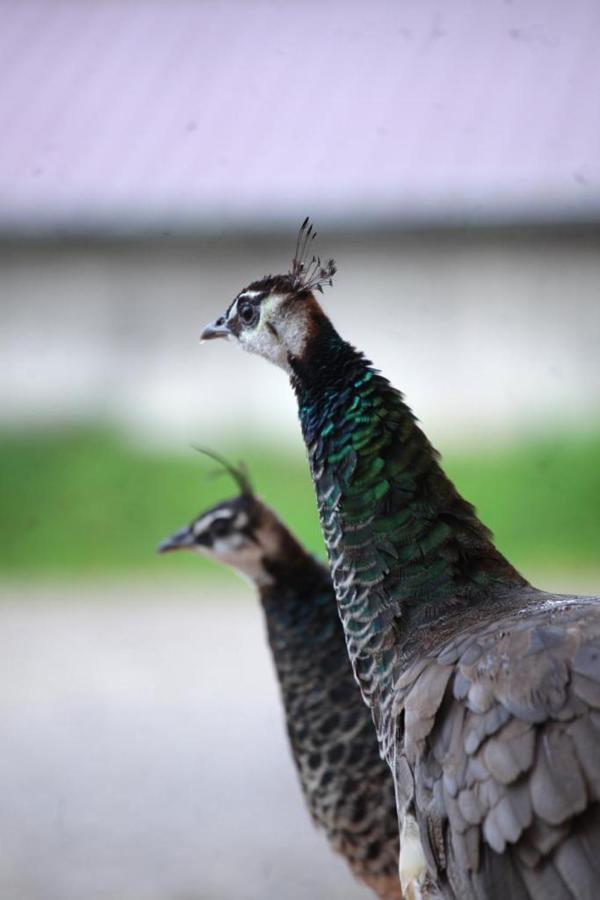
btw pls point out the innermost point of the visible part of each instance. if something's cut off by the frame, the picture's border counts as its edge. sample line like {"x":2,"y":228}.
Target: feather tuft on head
{"x":309,"y":275}
{"x":239,"y":473}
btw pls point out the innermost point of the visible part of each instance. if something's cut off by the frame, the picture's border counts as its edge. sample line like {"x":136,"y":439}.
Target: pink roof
{"x":234,"y":112}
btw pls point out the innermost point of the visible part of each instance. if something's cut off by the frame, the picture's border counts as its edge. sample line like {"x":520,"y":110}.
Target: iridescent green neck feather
{"x":406,"y":550}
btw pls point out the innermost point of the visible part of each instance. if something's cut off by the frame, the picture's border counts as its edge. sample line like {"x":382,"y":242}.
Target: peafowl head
{"x":276,"y":316}
{"x":241,"y":532}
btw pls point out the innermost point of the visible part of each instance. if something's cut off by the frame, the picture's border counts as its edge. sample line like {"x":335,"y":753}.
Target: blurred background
{"x":154,"y":159}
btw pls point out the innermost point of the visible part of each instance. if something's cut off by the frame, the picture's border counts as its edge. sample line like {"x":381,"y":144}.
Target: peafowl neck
{"x":406,"y":550}
{"x":347,"y":786}
{"x":284,"y":597}
{"x":297,"y":597}
{"x":310,"y":657}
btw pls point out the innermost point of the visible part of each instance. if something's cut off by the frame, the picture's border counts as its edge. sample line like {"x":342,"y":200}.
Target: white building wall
{"x":487,"y":333}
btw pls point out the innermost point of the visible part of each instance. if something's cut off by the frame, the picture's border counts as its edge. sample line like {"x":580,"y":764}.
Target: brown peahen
{"x":485,"y":691}
{"x":348,"y":787}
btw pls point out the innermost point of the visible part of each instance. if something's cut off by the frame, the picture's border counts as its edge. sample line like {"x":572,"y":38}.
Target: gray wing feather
{"x":502,"y":733}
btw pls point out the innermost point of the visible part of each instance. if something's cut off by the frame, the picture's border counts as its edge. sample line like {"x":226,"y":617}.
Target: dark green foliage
{"x":67,"y":494}
{"x":88,"y":502}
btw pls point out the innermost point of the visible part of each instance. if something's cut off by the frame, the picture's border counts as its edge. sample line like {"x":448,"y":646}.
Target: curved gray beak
{"x":217,"y":329}
{"x":181,"y":540}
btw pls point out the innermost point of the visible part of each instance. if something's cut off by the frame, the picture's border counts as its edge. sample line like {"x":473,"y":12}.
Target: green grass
{"x":86,"y":503}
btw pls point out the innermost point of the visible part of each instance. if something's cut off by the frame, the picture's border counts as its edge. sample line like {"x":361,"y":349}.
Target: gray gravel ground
{"x":142,"y":752}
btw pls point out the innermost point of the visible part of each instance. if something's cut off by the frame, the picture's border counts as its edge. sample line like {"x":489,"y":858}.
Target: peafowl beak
{"x":181,"y":540}
{"x":218,"y":329}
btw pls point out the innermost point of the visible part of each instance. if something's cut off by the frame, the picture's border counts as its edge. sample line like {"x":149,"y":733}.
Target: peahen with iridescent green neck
{"x":485,"y":691}
{"x":347,"y":786}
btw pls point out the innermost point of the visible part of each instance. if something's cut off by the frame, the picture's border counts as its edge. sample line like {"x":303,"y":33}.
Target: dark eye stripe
{"x":221,"y":527}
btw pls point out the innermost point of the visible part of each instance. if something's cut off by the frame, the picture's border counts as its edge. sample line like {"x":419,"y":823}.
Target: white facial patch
{"x":287,"y":335}
{"x":236,"y":549}
{"x":229,"y":547}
